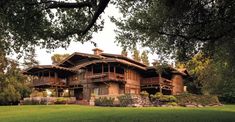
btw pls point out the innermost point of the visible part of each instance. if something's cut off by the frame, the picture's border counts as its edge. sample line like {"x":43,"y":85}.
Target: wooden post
{"x":160,"y":90}
{"x":102,"y":66}
{"x":108,"y":71}
{"x":114,"y":69}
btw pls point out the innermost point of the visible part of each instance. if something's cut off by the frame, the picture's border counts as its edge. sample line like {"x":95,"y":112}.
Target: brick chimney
{"x":97,"y":51}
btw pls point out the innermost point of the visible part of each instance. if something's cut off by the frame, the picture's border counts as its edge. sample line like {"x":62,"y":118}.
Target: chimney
{"x":155,"y":63}
{"x":97,"y":51}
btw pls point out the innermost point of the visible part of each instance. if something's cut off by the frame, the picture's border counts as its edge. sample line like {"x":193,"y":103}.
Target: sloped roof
{"x":109,"y":60}
{"x":123,"y":57}
{"x":173,"y":70}
{"x":78,"y":54}
{"x":33,"y":69}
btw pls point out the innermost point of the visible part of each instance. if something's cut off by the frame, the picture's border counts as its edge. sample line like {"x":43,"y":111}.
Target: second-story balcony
{"x":156,"y":81}
{"x":106,"y":76}
{"x":48,"y":81}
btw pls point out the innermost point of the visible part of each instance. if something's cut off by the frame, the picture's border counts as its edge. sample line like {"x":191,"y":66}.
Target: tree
{"x":144,"y":58}
{"x":212,"y":76}
{"x":57,"y":58}
{"x":136,"y":55}
{"x":48,"y":23}
{"x":124,"y":52}
{"x":13,"y":84}
{"x":179,"y":28}
{"x":160,"y":67}
{"x":30,"y":59}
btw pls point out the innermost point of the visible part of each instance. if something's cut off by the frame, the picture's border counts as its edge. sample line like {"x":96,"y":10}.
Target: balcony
{"x":156,"y":81}
{"x":101,"y":77}
{"x":48,"y":81}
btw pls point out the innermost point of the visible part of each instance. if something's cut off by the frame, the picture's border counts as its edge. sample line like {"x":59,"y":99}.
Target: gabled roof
{"x":123,"y":57}
{"x":78,"y":54}
{"x":109,"y":60}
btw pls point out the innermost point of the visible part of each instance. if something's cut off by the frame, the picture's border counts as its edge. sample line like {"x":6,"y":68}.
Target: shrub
{"x":36,"y":93}
{"x":144,"y":93}
{"x":104,"y":101}
{"x":172,"y":104}
{"x":160,"y":99}
{"x":125,"y":100}
{"x":60,"y":100}
{"x":187,"y":98}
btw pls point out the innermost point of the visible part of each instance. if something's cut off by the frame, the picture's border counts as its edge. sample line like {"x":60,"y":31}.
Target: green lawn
{"x":75,"y":113}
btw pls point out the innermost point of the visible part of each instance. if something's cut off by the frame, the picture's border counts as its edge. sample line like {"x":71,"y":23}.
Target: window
{"x":111,"y":68}
{"x":97,"y":68}
{"x":119,"y":70}
{"x":105,"y":67}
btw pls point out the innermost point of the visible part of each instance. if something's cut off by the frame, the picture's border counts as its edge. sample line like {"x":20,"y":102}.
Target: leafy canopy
{"x":49,"y":24}
{"x":180,"y":28}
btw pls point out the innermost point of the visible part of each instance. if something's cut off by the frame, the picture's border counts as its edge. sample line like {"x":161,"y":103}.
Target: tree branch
{"x":102,"y":5}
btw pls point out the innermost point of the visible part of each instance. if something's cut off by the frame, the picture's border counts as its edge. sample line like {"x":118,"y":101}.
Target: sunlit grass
{"x":76,"y":113}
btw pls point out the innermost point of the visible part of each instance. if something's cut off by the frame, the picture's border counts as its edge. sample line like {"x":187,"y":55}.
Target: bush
{"x":160,"y":99}
{"x":36,"y":93}
{"x":104,"y":101}
{"x":163,"y":98}
{"x":144,"y":93}
{"x":171,"y":104}
{"x":125,"y":100}
{"x":61,"y":100}
{"x":187,"y":98}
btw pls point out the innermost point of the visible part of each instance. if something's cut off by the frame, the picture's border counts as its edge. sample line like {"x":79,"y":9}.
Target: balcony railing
{"x":48,"y":81}
{"x":105,"y":77}
{"x":155,"y":81}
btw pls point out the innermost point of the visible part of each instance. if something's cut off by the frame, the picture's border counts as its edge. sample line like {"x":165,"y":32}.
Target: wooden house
{"x":105,"y":74}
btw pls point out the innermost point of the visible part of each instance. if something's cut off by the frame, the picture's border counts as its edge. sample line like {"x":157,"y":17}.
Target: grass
{"x":76,"y":113}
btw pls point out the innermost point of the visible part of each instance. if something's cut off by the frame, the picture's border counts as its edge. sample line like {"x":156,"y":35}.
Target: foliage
{"x":125,"y":100}
{"x":163,"y":98}
{"x":124,"y":52}
{"x":13,"y":84}
{"x":213,"y":75}
{"x":57,"y":58}
{"x":61,"y":100}
{"x":172,"y":104}
{"x":104,"y":101}
{"x":187,"y":98}
{"x":144,"y":93}
{"x":36,"y":93}
{"x":9,"y":95}
{"x":201,"y":32}
{"x":136,"y":55}
{"x":178,"y":28}
{"x":49,"y":24}
{"x":144,"y":58}
{"x":30,"y":59}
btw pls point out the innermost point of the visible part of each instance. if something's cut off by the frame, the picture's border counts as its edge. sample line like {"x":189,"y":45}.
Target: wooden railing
{"x":105,"y":77}
{"x":150,"y":81}
{"x":48,"y":81}
{"x":155,"y":81}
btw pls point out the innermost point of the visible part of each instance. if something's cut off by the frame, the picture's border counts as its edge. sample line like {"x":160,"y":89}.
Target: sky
{"x":105,"y":40}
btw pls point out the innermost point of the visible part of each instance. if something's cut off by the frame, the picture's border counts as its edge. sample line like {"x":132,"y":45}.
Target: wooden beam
{"x":71,"y":62}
